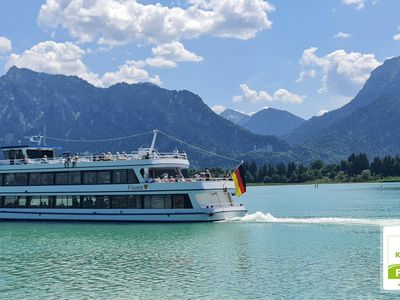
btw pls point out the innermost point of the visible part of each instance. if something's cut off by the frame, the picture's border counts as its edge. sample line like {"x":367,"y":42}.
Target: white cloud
{"x":54,"y":58}
{"x":306,"y":74}
{"x":160,"y":62}
{"x":396,"y":37}
{"x":322,"y":112}
{"x":284,"y":95}
{"x":359,"y":4}
{"x":342,"y":35}
{"x":253,"y":96}
{"x":118,"y":22}
{"x":166,"y":55}
{"x":175,"y":52}
{"x":5,"y":45}
{"x":343,"y":73}
{"x":218,"y":108}
{"x":66,"y":58}
{"x":130,"y":72}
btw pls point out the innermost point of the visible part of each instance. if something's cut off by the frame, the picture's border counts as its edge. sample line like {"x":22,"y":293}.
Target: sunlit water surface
{"x":297,"y":242}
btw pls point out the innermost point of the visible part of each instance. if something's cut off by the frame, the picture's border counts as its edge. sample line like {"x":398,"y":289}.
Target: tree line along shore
{"x":356,"y":168}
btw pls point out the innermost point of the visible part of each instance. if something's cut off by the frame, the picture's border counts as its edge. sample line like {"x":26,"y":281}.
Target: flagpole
{"x":237,"y":167}
{"x":234,"y":169}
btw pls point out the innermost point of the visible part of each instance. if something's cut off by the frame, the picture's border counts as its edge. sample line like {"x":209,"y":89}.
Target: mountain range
{"x":268,"y":121}
{"x":235,"y":116}
{"x":369,"y":123}
{"x":70,"y":108}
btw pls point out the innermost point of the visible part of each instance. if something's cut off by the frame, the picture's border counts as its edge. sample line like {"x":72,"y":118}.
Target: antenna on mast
{"x":35,"y":139}
{"x":44,"y":136}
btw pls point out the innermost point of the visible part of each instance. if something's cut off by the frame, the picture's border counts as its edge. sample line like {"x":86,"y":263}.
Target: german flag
{"x":239,"y":180}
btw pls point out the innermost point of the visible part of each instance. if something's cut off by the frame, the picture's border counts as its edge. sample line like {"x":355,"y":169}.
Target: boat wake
{"x":261,"y":217}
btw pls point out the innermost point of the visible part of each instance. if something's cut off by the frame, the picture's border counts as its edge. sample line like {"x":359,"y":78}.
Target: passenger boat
{"x":142,"y":186}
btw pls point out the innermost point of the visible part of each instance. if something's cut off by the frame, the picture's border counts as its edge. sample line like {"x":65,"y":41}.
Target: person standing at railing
{"x":44,"y":159}
{"x":75,"y":160}
{"x":67,"y":161}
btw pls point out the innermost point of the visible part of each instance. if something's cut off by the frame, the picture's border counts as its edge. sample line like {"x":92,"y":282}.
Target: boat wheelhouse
{"x":146,"y":185}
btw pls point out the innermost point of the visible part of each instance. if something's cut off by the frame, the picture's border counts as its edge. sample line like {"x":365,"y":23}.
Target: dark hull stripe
{"x":115,"y":214}
{"x":97,"y":192}
{"x":110,"y":221}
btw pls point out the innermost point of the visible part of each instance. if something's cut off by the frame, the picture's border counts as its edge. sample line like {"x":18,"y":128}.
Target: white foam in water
{"x":260,"y":217}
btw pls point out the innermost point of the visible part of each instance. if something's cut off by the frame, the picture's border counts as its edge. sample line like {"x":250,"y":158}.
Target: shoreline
{"x":322,"y":181}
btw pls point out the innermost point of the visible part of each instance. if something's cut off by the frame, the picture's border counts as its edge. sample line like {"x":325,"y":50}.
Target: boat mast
{"x":153,"y":142}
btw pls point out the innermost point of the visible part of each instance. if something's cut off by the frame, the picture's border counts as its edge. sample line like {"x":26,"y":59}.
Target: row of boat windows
{"x":71,"y":177}
{"x":98,"y":202}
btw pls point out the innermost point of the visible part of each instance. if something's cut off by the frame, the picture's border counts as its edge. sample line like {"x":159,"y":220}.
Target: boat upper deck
{"x":141,"y":157}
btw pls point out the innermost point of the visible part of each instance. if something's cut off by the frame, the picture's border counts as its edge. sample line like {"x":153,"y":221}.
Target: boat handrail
{"x":187,"y":180}
{"x":134,"y":155}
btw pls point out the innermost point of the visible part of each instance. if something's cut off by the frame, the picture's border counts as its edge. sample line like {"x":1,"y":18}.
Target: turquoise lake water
{"x":297,"y":242}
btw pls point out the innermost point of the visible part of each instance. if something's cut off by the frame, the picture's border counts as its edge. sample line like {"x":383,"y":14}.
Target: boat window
{"x":131,"y":201}
{"x":131,"y":176}
{"x":119,"y":202}
{"x":163,"y":174}
{"x":147,"y":202}
{"x":98,"y":202}
{"x":38,"y":202}
{"x":178,"y":201}
{"x":102,"y":202}
{"x":188,"y":203}
{"x":76,"y":202}
{"x":134,"y":201}
{"x":103,"y":177}
{"x":35,"y":178}
{"x":45,"y":201}
{"x":74,"y":177}
{"x":119,"y":176}
{"x":63,"y":201}
{"x":34,"y":202}
{"x":157,"y":201}
{"x":21,"y":202}
{"x":10,"y":201}
{"x":88,"y":201}
{"x":181,"y":201}
{"x":13,"y":154}
{"x":21,"y":179}
{"x":9,"y":179}
{"x":1,"y":179}
{"x":62,"y":178}
{"x":89,"y":178}
{"x":168,"y":201}
{"x":47,"y":178}
{"x":34,"y":153}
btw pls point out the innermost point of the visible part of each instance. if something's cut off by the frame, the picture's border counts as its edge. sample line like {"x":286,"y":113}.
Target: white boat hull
{"x":124,"y":215}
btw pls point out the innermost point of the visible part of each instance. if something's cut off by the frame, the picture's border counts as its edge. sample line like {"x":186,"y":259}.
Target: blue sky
{"x":306,"y":57}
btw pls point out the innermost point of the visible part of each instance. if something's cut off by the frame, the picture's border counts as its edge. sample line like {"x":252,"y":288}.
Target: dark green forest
{"x":356,"y":168}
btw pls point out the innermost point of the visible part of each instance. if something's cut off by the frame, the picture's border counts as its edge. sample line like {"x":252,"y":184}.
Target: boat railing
{"x":187,"y":180}
{"x":134,"y":155}
{"x":207,"y":179}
